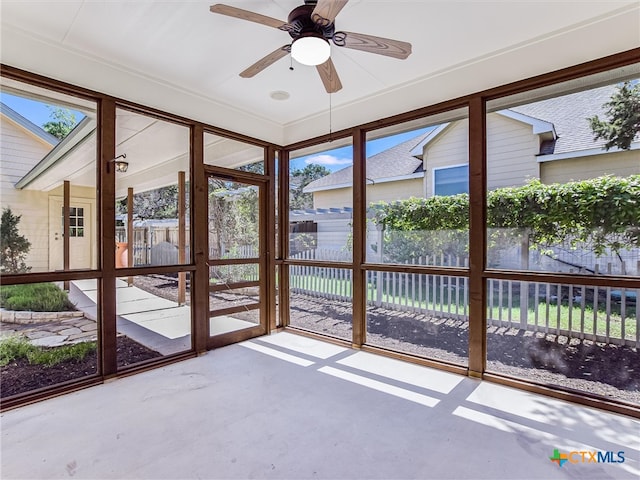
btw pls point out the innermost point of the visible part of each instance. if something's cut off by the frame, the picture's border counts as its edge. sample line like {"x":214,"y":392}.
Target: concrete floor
{"x":287,"y":406}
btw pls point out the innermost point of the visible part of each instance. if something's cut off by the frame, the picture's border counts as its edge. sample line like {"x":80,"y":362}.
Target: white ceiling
{"x":180,"y":58}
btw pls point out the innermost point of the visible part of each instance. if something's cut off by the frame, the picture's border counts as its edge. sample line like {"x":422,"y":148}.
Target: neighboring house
{"x":550,"y":140}
{"x":393,"y":174}
{"x":28,"y":156}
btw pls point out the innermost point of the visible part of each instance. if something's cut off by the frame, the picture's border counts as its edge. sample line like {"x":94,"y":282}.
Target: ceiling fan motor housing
{"x":300,"y":23}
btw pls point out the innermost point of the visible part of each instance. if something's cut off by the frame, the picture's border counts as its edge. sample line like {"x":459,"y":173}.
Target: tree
{"x":623,"y":114}
{"x":13,"y":246}
{"x":257,"y":167}
{"x":63,"y":121}
{"x":300,"y":178}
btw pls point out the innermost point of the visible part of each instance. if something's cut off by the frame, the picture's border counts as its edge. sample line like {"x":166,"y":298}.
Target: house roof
{"x":392,"y":163}
{"x":47,"y":173}
{"x":569,"y":114}
{"x":28,"y":125}
{"x":564,"y":119}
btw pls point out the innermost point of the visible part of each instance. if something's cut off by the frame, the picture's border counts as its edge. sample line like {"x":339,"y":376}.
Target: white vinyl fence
{"x":601,"y":314}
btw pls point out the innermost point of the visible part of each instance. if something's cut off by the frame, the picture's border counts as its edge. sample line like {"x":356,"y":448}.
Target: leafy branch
{"x":604,"y":212}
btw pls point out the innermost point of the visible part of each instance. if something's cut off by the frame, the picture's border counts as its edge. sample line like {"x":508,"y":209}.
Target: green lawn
{"x":444,"y":300}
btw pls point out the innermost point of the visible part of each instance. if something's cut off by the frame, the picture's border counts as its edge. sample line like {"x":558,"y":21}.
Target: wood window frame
{"x":477,"y":272}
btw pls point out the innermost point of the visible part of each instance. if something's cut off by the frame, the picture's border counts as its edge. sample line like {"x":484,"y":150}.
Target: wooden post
{"x":199,"y":237}
{"x":270,"y":171}
{"x":182,"y":237}
{"x":107,"y":223}
{"x":130,"y":234}
{"x":359,"y":238}
{"x":477,"y":237}
{"x":283,"y":237}
{"x":66,"y":227}
{"x":379,"y":274}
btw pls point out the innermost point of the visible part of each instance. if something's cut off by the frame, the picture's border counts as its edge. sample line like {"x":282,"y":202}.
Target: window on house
{"x":451,"y":180}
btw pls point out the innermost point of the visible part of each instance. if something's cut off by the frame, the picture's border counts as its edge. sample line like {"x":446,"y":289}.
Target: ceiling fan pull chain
{"x":330,"y":120}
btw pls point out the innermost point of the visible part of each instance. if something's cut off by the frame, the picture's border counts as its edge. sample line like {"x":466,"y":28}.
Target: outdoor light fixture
{"x":310,"y":49}
{"x":120,"y":165}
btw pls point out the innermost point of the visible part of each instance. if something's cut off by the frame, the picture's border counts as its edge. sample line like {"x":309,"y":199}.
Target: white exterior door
{"x":80,"y":234}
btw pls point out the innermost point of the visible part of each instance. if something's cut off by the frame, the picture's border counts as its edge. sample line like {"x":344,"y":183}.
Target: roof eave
{"x":585,"y":153}
{"x":78,"y":135}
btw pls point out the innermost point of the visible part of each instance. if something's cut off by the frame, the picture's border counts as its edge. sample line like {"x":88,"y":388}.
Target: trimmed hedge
{"x":603,"y":211}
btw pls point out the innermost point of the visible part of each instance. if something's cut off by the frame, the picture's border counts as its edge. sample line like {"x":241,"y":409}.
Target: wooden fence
{"x":601,"y":314}
{"x":151,"y":244}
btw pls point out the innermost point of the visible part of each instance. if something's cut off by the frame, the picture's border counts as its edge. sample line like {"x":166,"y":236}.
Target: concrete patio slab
{"x":157,"y":323}
{"x":238,"y":413}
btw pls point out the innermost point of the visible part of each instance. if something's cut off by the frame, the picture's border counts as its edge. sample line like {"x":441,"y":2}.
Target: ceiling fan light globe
{"x":310,"y":50}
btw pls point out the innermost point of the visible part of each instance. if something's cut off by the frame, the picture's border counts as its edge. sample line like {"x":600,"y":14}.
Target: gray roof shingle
{"x":396,"y":161}
{"x":569,"y":115}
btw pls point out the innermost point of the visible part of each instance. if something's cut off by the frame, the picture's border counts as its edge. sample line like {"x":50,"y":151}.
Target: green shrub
{"x":14,"y":348}
{"x":35,"y":297}
{"x":53,"y":356}
{"x":603,"y":212}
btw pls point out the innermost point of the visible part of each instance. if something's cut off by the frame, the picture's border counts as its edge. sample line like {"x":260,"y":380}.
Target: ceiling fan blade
{"x":326,"y":11}
{"x":371,"y":44}
{"x":247,"y":15}
{"x":329,"y":76}
{"x":264,"y":62}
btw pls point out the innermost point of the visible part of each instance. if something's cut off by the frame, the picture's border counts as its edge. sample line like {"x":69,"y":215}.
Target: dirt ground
{"x":607,"y":370}
{"x":603,"y":369}
{"x":20,"y":376}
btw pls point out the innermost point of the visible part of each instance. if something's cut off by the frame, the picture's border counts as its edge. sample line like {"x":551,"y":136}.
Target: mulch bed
{"x":606,"y":370}
{"x":20,"y":376}
{"x":601,"y":369}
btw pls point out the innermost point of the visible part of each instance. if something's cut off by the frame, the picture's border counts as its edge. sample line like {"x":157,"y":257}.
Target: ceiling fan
{"x":311,"y":26}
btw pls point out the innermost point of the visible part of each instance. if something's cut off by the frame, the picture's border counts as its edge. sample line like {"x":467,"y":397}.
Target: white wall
{"x":19,"y":152}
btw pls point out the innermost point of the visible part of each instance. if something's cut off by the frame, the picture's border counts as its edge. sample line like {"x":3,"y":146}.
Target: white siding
{"x":386,"y":192}
{"x":511,"y":152}
{"x":620,"y":164}
{"x":451,"y":147}
{"x":19,"y":153}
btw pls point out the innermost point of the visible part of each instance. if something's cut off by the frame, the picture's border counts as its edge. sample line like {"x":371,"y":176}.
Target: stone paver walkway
{"x":53,"y":333}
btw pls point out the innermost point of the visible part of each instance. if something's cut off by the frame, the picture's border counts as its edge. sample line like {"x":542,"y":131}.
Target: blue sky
{"x":338,"y":158}
{"x":37,"y":112}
